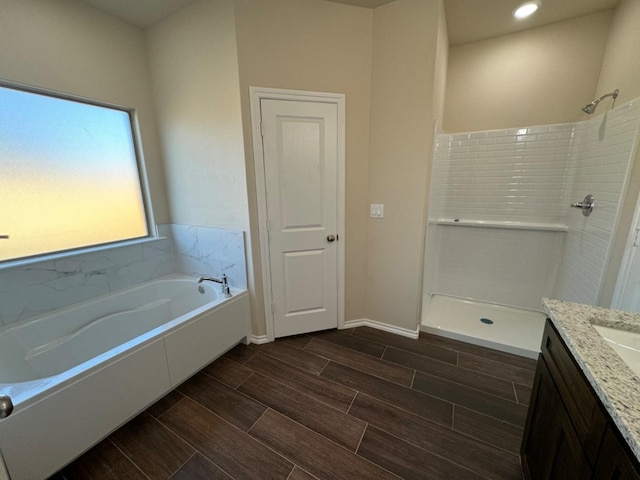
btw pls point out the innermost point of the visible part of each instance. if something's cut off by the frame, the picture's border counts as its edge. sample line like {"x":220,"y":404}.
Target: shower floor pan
{"x":502,"y":328}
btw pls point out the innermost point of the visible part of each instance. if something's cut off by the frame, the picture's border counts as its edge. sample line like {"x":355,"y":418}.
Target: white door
{"x":300,"y":153}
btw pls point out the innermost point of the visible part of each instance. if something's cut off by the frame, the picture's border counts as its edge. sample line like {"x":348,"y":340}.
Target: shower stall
{"x":502,"y":232}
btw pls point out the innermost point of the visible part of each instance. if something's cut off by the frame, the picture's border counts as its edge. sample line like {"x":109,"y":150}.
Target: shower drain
{"x":488,"y":321}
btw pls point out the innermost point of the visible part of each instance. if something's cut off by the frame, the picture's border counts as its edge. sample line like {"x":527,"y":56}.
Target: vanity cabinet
{"x":568,"y":434}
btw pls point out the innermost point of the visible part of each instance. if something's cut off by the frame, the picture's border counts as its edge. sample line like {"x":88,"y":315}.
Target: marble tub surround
{"x":616,"y":385}
{"x":210,"y":251}
{"x":36,"y":288}
{"x":40,"y":287}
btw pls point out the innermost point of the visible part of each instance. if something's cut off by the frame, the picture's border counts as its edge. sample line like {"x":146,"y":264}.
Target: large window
{"x":68,"y":175}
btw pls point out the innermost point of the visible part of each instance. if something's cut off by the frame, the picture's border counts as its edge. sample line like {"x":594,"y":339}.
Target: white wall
{"x":534,"y":77}
{"x":70,"y":47}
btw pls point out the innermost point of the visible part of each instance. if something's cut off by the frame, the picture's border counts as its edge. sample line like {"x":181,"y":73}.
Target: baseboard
{"x":365,"y":322}
{"x":259,"y":339}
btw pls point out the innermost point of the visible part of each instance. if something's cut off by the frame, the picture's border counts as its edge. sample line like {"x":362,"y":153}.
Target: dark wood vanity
{"x":569,"y":434}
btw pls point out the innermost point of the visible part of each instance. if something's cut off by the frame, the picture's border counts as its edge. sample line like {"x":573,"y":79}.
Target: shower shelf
{"x":454,"y":222}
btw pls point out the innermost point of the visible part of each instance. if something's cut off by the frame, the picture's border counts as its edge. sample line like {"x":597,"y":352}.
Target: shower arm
{"x":591,"y":107}
{"x":613,"y":94}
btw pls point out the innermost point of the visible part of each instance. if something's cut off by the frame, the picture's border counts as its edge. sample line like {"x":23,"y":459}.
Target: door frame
{"x":256,"y":95}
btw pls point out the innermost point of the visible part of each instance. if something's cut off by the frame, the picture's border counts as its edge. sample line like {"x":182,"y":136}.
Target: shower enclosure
{"x":501,"y":231}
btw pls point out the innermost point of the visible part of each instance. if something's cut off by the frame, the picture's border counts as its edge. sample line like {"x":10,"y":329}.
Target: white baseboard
{"x":365,"y":322}
{"x":259,"y":339}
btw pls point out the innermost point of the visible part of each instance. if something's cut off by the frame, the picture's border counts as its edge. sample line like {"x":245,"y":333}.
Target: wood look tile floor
{"x":351,"y":404}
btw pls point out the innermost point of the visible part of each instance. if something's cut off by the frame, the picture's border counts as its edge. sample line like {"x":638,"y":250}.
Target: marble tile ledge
{"x":617,"y":386}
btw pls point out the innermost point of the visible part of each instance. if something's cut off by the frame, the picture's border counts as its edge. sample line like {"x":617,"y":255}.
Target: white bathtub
{"x":77,"y":374}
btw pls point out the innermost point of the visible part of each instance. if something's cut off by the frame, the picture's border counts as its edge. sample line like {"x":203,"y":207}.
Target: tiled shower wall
{"x":501,"y":175}
{"x":33,"y":289}
{"x":528,"y":175}
{"x":598,"y":164}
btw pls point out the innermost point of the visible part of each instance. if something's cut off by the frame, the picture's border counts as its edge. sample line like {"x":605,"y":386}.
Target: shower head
{"x":591,"y":107}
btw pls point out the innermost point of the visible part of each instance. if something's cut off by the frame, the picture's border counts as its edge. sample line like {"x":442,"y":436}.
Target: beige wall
{"x":194,"y":67}
{"x":621,"y":69}
{"x":538,"y":76}
{"x":316,"y":46}
{"x":402,"y":122}
{"x":441,"y":66}
{"x":70,"y":47}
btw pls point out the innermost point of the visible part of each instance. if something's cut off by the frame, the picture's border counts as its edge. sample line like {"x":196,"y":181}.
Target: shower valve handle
{"x":586,"y":205}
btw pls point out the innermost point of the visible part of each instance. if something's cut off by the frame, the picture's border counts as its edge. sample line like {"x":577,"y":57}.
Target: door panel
{"x":300,"y":144}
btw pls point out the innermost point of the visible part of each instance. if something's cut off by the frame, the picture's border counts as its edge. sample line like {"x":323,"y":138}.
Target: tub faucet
{"x":224,"y":284}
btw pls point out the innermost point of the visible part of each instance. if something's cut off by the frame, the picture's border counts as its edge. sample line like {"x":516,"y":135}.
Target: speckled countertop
{"x":617,"y":386}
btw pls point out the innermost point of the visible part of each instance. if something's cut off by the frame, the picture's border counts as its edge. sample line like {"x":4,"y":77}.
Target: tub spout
{"x":224,"y":283}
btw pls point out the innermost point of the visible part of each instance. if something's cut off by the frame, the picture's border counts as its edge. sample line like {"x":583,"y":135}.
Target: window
{"x":68,"y":175}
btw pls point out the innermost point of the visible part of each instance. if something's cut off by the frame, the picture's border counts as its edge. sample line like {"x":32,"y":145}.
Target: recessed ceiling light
{"x":526,"y":9}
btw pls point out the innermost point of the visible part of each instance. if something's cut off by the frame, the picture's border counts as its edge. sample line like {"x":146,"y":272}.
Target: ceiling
{"x":467,"y":20}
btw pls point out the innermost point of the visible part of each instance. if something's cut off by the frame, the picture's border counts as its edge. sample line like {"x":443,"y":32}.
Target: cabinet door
{"x":551,"y":448}
{"x":613,"y":462}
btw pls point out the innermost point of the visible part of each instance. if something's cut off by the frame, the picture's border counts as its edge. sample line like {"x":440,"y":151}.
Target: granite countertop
{"x":617,"y":386}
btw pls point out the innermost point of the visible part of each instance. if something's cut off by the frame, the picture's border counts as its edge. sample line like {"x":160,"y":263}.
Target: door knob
{"x":331,"y":238}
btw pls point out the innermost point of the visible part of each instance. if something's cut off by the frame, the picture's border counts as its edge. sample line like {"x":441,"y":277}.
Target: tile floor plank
{"x":224,"y":401}
{"x":313,"y":452}
{"x":319,"y":417}
{"x":408,"y":344}
{"x":426,"y":406}
{"x":294,"y":356}
{"x":165,"y":403}
{"x":352,"y":342}
{"x":103,"y":462}
{"x":408,"y":461}
{"x":522,"y":376}
{"x":299,"y":474}
{"x":497,"y":407}
{"x":523,"y":393}
{"x":199,"y":468}
{"x":360,"y":361}
{"x":479,"y":457}
{"x":235,"y":452}
{"x":228,"y":371}
{"x":331,"y":393}
{"x":489,"y":353}
{"x":488,"y":429}
{"x":486,"y":383}
{"x":155,"y":449}
{"x":242,"y":353}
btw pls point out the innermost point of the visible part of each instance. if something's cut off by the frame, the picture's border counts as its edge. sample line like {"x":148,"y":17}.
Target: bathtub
{"x":77,"y":374}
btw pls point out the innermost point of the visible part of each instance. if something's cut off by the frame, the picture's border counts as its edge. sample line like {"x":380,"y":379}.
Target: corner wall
{"x":405,"y":36}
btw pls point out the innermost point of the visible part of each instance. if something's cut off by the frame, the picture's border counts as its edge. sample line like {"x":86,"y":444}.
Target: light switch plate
{"x":376,"y":210}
